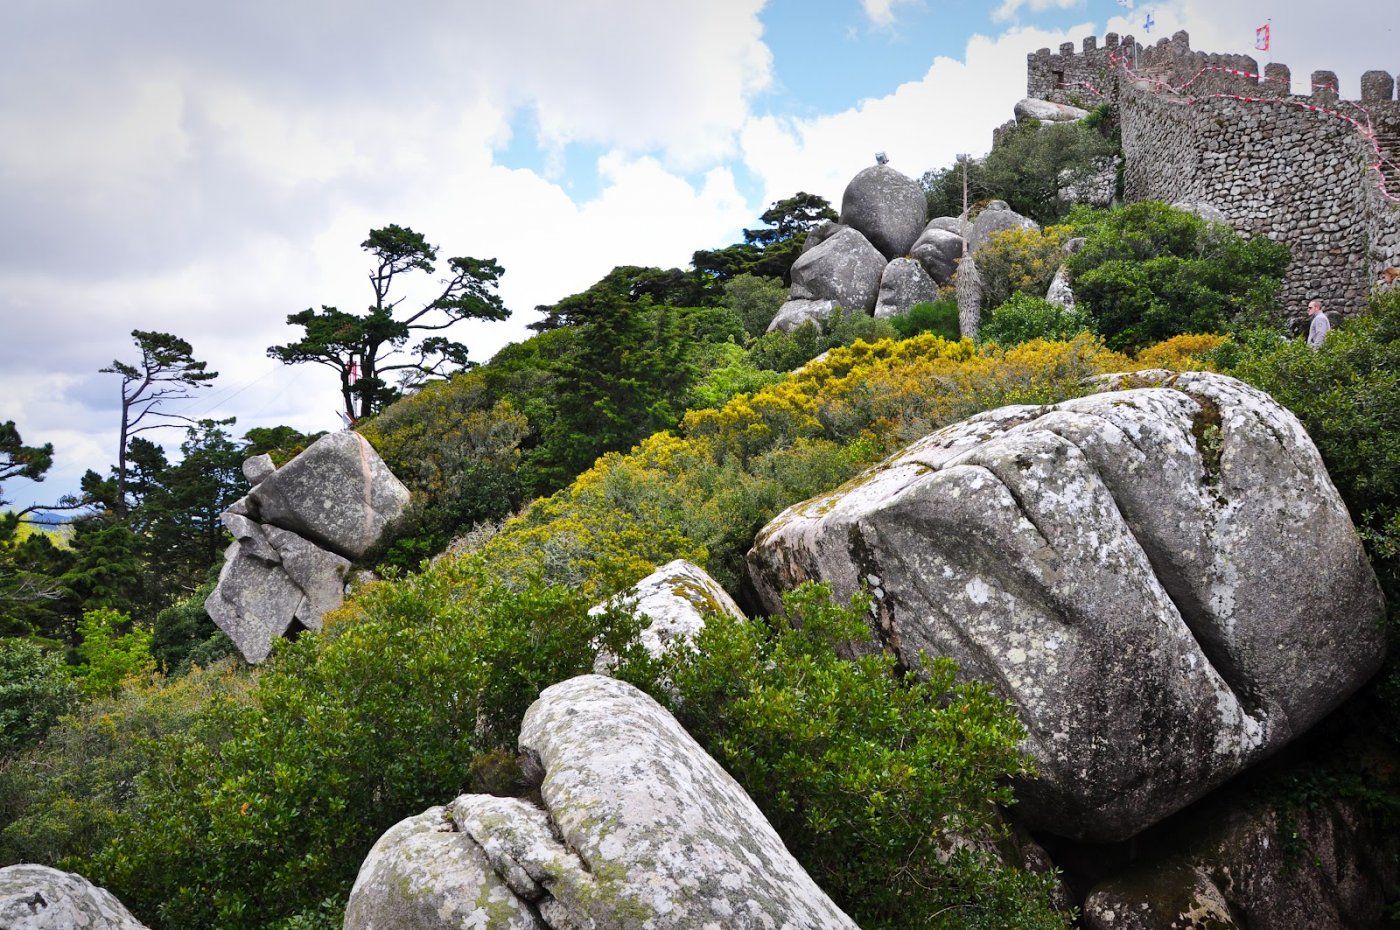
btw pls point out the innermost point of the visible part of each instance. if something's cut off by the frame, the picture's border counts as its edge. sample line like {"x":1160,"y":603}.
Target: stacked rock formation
{"x":637,"y":827}
{"x":1162,"y":580}
{"x":295,"y":535}
{"x":844,"y":264}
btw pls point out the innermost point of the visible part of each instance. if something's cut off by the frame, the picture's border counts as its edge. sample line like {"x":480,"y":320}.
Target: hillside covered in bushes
{"x":655,"y":417}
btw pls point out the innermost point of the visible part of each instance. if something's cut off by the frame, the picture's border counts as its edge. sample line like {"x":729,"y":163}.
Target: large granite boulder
{"x":675,"y":599}
{"x":904,"y":284}
{"x":338,"y":493}
{"x":1047,"y":111}
{"x":36,"y":897}
{"x":996,"y":217}
{"x":1163,"y":580}
{"x":938,"y":250}
{"x":639,"y":828}
{"x":819,"y":234}
{"x":845,"y":269}
{"x":294,"y":537}
{"x":888,"y":207}
{"x":795,"y":313}
{"x":1325,"y":866}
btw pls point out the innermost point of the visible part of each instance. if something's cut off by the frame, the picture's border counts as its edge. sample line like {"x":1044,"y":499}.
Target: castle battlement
{"x":1314,"y":171}
{"x":1071,"y":73}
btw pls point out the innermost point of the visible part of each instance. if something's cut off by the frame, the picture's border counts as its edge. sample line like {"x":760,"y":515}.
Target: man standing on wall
{"x":1320,"y":326}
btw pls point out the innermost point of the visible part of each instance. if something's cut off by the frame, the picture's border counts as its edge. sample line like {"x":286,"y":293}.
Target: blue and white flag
{"x":1148,"y":23}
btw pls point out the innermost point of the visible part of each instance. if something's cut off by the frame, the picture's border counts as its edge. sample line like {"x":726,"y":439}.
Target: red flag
{"x":1261,"y":38}
{"x":354,"y":371}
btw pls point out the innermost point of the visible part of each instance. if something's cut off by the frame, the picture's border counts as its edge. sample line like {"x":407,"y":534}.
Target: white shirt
{"x":1319,"y":329}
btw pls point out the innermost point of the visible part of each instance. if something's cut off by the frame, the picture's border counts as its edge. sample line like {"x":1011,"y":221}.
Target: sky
{"x":206,"y":169}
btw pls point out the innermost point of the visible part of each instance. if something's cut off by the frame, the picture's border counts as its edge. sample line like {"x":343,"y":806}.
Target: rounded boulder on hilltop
{"x":887,"y":207}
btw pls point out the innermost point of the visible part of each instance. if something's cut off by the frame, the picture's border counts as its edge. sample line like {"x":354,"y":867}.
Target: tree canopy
{"x":771,"y":250}
{"x":358,"y":346}
{"x":167,"y":371}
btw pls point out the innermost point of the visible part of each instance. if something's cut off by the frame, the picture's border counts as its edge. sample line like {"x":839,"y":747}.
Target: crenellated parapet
{"x":1171,"y":63}
{"x":1316,"y":170}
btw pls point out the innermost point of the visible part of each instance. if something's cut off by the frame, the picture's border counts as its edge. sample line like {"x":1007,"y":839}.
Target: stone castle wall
{"x":1273,"y":166}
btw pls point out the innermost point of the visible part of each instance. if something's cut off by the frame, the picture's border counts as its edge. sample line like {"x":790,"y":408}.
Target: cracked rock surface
{"x":36,"y":897}
{"x":294,"y":536}
{"x":639,"y":828}
{"x":1163,"y":581}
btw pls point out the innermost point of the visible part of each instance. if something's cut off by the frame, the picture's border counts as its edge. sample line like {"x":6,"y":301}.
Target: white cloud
{"x":1009,"y":8}
{"x":881,"y":12}
{"x":923,"y":125}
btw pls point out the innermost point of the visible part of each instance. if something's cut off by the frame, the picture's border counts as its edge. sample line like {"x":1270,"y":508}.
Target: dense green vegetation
{"x":1027,"y":168}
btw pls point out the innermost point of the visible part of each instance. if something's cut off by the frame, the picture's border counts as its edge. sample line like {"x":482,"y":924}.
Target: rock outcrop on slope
{"x":639,"y":828}
{"x":675,"y":599}
{"x":36,"y":897}
{"x":1163,"y":580}
{"x":295,"y":535}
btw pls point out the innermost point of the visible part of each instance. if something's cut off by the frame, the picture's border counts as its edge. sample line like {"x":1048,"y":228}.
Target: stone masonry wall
{"x":1272,"y":166}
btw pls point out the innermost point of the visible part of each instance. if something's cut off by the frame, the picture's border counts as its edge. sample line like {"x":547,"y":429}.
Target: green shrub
{"x":939,"y":318}
{"x":346,"y":733}
{"x":35,"y":690}
{"x":1020,"y":261}
{"x":755,"y":299}
{"x":1148,"y":272}
{"x":63,"y":800}
{"x":112,"y":649}
{"x":780,"y":351}
{"x":882,"y":783}
{"x":1023,"y":318}
{"x":1347,"y":395}
{"x":183,"y":635}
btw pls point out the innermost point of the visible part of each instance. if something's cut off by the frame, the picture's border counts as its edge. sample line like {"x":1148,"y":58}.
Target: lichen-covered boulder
{"x":845,"y":269}
{"x":904,"y":284}
{"x":425,"y":874}
{"x":794,"y":313}
{"x":1047,"y":111}
{"x":1325,"y":866}
{"x":887,"y":207}
{"x":640,"y":828}
{"x":1163,"y":580}
{"x":338,"y":493}
{"x":676,"y":599}
{"x":36,"y":897}
{"x":1060,"y":293}
{"x":996,"y":217}
{"x":938,"y":250}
